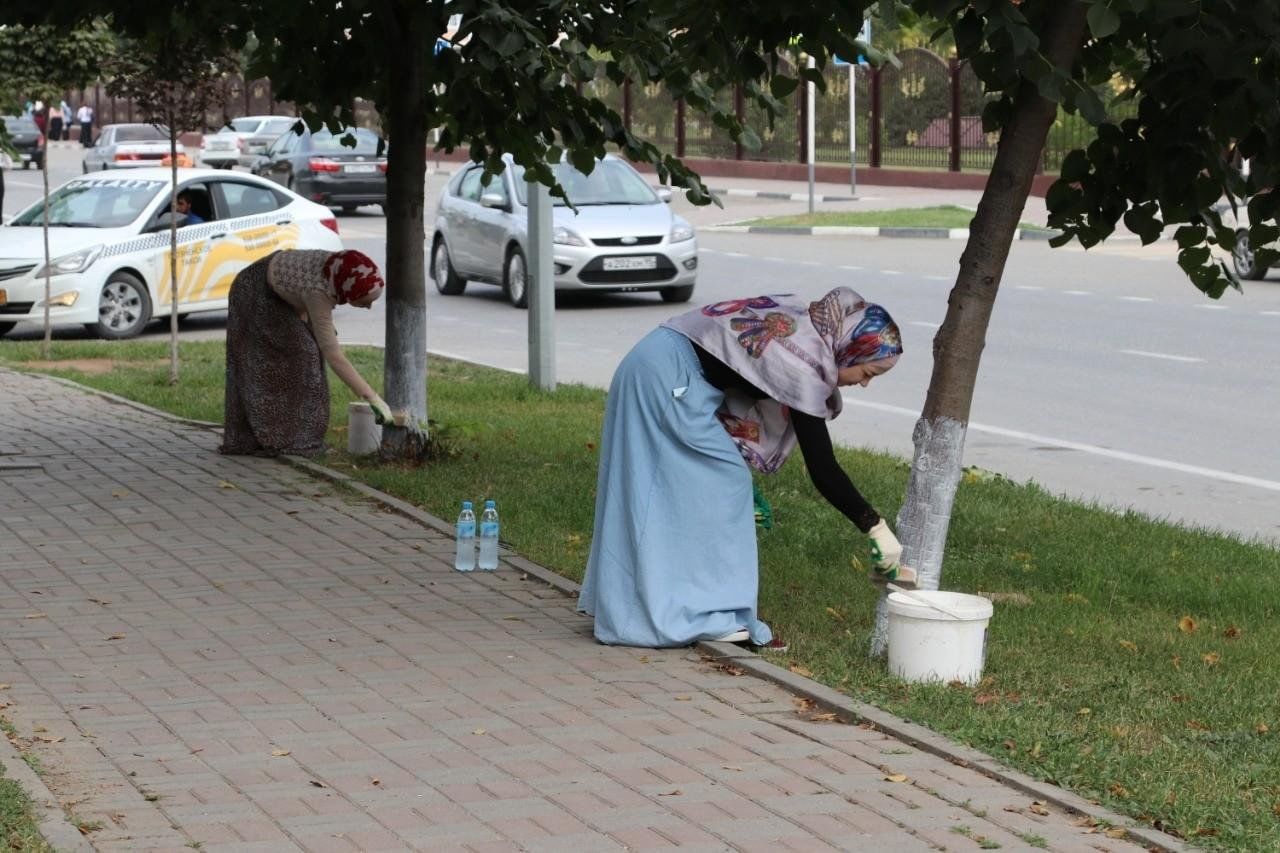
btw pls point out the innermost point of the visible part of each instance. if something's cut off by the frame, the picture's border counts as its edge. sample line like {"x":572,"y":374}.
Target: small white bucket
{"x":926,"y":644}
{"x":364,"y":435}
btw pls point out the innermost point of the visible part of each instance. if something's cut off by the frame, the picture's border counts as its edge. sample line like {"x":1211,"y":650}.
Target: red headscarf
{"x":353,"y":276}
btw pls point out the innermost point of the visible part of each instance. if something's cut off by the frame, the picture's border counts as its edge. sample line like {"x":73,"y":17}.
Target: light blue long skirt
{"x":673,"y":558}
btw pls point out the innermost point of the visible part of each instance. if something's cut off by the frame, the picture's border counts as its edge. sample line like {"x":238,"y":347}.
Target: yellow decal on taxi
{"x":207,"y":268}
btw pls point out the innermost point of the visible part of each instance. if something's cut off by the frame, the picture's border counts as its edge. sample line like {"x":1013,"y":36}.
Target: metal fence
{"x":924,"y":114}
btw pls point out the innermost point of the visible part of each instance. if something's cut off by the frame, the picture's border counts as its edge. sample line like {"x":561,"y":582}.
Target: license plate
{"x":360,"y":168}
{"x":219,"y":146}
{"x":24,"y":157}
{"x":639,"y":262}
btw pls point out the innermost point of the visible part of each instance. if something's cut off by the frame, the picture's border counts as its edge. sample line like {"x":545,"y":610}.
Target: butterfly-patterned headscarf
{"x":791,"y":351}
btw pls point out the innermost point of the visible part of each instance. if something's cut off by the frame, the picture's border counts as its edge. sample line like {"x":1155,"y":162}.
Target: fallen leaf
{"x":1116,"y":832}
{"x":197,"y":750}
{"x":225,"y":484}
{"x":1211,"y":659}
{"x":1084,"y":712}
{"x":478,"y":732}
{"x":1187,"y":625}
{"x":835,"y":614}
{"x":684,"y":698}
{"x":674,"y":793}
{"x":1010,"y":745}
{"x":1177,"y":662}
{"x":731,"y":767}
{"x":100,"y":601}
{"x":5,"y":686}
{"x":802,"y":703}
{"x":986,"y":698}
{"x":1129,"y":644}
{"x":1179,"y":697}
{"x":1037,"y":808}
{"x":828,"y":717}
{"x":36,"y":616}
{"x":644,"y":658}
{"x":1118,"y":790}
{"x":1085,"y":821}
{"x":1197,"y":725}
{"x":375,"y":781}
{"x":50,"y":738}
{"x":1076,"y":598}
{"x":316,"y":784}
{"x":1275,"y":810}
{"x":114,"y":637}
{"x":118,"y":493}
{"x":896,"y":777}
{"x":1232,"y":632}
{"x":801,"y":670}
{"x":280,"y":753}
{"x":1204,"y":831}
{"x":1262,"y":728}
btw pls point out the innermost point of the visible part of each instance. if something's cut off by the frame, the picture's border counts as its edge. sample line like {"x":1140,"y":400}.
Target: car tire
{"x":683,"y":293}
{"x":515,"y":278}
{"x":447,"y":280}
{"x":1243,"y":259}
{"x":6,"y":328}
{"x":26,"y":164}
{"x":124,"y":308}
{"x":349,"y":209}
{"x":84,"y":168}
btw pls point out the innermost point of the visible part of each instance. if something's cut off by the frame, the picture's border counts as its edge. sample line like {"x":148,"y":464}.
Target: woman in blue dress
{"x":698,"y":400}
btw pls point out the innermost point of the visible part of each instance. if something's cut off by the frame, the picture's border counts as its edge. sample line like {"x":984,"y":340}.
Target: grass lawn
{"x":18,"y":831}
{"x":943,"y":216}
{"x":1131,"y":661}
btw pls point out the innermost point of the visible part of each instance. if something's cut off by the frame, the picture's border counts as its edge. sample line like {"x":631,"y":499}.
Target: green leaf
{"x":1075,"y":166}
{"x":1190,"y":235}
{"x":1103,"y":21}
{"x":782,"y":86}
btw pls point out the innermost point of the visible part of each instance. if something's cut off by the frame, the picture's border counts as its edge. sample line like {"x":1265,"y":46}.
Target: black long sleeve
{"x":815,"y":444}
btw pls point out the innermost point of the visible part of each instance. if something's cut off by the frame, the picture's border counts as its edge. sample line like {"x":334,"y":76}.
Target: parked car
{"x":27,"y":140}
{"x":1243,"y":256}
{"x":243,"y":140}
{"x":128,"y":146}
{"x":623,"y":235}
{"x":318,"y":166}
{"x":109,"y":244}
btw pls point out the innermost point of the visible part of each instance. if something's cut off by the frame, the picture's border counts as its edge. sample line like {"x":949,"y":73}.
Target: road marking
{"x":925,"y":323}
{"x":1271,"y":313}
{"x":851,"y":268}
{"x":1137,"y":299}
{"x":1121,"y":455}
{"x":938,"y":278}
{"x":1077,"y":293}
{"x":1028,"y":287}
{"x":733,"y":254}
{"x":779,"y":260}
{"x":1211,"y":307}
{"x":810,"y":264}
{"x":1165,"y":356}
{"x":890,"y":272}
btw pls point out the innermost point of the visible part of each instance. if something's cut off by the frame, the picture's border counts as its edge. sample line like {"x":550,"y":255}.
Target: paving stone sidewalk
{"x":229,"y":654}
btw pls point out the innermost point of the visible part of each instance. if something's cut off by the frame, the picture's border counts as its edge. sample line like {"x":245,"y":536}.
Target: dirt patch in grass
{"x":91,"y":366}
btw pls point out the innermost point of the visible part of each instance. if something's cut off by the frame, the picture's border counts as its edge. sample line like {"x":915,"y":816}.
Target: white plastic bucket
{"x":364,"y":435}
{"x":926,"y":644}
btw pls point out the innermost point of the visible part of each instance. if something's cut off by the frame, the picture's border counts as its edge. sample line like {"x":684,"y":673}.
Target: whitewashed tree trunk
{"x":957,"y":348}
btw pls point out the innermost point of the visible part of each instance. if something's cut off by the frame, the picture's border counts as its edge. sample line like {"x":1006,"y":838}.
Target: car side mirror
{"x":164,"y":220}
{"x":664,"y":194}
{"x":495,"y":200}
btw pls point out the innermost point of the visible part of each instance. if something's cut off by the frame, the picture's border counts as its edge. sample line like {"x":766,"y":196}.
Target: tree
{"x":174,"y":75}
{"x":43,"y":63}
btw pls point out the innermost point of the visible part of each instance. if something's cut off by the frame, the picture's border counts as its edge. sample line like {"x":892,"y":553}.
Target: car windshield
{"x":278,"y":126}
{"x":245,"y":125}
{"x":93,"y":204}
{"x":141,"y":133}
{"x":611,"y":182}
{"x":19,"y":125}
{"x":366,"y":141}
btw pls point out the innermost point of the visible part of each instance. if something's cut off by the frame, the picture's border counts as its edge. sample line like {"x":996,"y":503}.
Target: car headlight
{"x":72,"y":263}
{"x":565,"y":237}
{"x":681,"y":231}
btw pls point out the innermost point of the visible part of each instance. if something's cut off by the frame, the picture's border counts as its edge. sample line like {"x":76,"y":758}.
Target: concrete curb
{"x":54,"y":823}
{"x":849,"y":709}
{"x":778,"y":196}
{"x":874,"y":231}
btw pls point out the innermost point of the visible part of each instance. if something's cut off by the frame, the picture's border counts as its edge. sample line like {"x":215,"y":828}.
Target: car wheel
{"x":26,"y":164}
{"x":682,"y":293}
{"x":124,"y":308}
{"x":1244,"y":260}
{"x":515,"y":278}
{"x":348,"y":208}
{"x":447,"y":280}
{"x":6,"y":328}
{"x":84,"y":168}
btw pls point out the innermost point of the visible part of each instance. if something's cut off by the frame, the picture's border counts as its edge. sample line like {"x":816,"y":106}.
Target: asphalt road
{"x":1106,"y":375}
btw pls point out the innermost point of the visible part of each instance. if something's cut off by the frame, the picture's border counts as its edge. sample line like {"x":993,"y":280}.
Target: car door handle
{"x":285,"y":221}
{"x":218,"y":236}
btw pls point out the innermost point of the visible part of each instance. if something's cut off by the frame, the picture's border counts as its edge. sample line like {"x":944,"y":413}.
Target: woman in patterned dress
{"x":280,"y":335}
{"x":707,"y":394}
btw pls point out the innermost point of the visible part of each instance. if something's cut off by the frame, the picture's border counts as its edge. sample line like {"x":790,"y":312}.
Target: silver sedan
{"x":128,"y":146}
{"x":622,"y":237}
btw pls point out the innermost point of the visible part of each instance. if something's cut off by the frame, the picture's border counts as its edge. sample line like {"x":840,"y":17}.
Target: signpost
{"x":541,"y":290}
{"x":864,"y":36}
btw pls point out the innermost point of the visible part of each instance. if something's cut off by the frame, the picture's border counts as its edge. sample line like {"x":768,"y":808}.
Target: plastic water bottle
{"x":465,"y":557}
{"x":489,"y":537}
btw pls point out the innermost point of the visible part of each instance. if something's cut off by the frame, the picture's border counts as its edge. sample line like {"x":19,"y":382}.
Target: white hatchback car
{"x":109,"y":245}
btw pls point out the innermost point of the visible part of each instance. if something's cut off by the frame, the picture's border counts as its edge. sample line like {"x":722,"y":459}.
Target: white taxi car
{"x":109,"y":246}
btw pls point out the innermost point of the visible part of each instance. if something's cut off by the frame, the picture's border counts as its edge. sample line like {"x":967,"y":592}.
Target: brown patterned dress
{"x":277,"y":394}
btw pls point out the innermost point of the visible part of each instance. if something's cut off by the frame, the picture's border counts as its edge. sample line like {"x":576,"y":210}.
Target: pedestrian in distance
{"x":280,"y":335}
{"x":55,"y":122}
{"x":699,"y":399}
{"x":84,"y":117}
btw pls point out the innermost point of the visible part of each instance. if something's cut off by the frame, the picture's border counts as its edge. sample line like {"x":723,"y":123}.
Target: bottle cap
{"x":490,"y":505}
{"x":466,"y":504}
